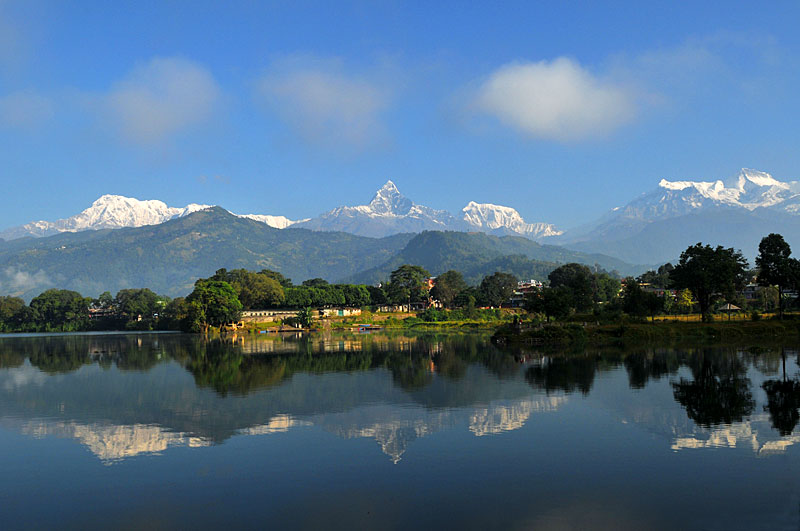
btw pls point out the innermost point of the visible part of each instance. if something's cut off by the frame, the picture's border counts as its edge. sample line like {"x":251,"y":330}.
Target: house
{"x":266,"y":316}
{"x":324,"y":313}
{"x":524,"y":287}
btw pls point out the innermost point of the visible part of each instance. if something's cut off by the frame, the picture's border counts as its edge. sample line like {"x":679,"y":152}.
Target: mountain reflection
{"x":126,"y":395}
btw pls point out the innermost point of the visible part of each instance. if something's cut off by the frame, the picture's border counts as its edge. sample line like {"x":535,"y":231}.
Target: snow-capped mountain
{"x":750,"y":190}
{"x":278,"y":222}
{"x":116,"y":211}
{"x":107,"y":212}
{"x":486,"y":216}
{"x":658,"y":225}
{"x":390,"y":212}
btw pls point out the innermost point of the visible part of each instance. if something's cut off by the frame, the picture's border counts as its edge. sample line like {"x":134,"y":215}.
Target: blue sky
{"x":561,"y":110}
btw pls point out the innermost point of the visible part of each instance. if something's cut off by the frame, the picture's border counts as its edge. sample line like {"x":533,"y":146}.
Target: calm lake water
{"x":393,"y":431}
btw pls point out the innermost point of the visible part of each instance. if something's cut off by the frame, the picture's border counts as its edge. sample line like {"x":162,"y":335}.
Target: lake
{"x":393,"y":431}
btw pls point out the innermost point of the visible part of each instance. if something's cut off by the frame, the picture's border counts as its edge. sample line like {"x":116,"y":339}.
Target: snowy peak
{"x":115,"y":211}
{"x":107,"y":212}
{"x":277,"y":222}
{"x":496,"y":217}
{"x":751,"y":189}
{"x":389,"y":200}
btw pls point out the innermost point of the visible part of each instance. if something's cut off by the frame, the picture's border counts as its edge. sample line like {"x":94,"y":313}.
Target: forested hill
{"x":478,"y":254}
{"x":169,"y":257}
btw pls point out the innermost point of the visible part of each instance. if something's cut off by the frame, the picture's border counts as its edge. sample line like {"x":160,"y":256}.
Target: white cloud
{"x":161,"y":98}
{"x":556,"y":100}
{"x":17,"y":281}
{"x":324,"y":106}
{"x":24,"y":109}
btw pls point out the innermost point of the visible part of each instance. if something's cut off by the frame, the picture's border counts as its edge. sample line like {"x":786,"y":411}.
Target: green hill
{"x":169,"y":257}
{"x":479,"y":254}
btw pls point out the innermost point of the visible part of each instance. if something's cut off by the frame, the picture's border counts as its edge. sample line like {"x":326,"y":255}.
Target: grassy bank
{"x":651,"y":333}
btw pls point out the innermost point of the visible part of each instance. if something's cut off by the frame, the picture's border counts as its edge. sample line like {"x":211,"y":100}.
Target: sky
{"x":562,"y":110}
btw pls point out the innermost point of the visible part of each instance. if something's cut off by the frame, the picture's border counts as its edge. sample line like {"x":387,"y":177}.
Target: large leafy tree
{"x":213,"y":303}
{"x":255,"y":290}
{"x":775,"y":265}
{"x":407,"y":284}
{"x":579,"y":280}
{"x":13,"y":314}
{"x":447,"y":287}
{"x":61,"y":310}
{"x":708,"y":271}
{"x":496,"y":289}
{"x":553,"y":302}
{"x":138,"y":302}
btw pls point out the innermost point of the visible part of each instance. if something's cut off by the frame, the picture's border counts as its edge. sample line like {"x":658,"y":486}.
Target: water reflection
{"x":127,"y":395}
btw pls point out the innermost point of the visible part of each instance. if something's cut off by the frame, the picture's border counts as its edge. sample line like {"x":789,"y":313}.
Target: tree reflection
{"x":642,"y":366}
{"x":783,"y":401}
{"x":720,"y":392}
{"x":564,"y":373}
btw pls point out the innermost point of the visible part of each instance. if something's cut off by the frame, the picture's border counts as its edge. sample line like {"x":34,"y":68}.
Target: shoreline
{"x":648,"y":334}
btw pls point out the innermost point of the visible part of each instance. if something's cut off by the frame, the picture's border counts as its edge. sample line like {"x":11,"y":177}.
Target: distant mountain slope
{"x":169,"y":257}
{"x":478,"y":254}
{"x":659,"y":225}
{"x":116,"y":211}
{"x":664,"y":240}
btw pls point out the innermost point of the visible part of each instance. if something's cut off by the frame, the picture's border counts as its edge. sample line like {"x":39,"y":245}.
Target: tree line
{"x":703,"y":276}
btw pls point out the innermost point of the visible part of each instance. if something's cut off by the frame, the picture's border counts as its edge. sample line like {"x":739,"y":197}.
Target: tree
{"x":60,"y":310}
{"x":552,"y":302}
{"x":447,"y":286}
{"x":635,"y":301}
{"x":579,"y":280}
{"x":282,"y":280}
{"x":606,"y":288}
{"x":315,"y":282}
{"x":775,"y":265}
{"x":407,"y":284}
{"x":259,"y":291}
{"x":13,"y":314}
{"x":305,"y":317}
{"x":255,"y":290}
{"x":708,"y":271}
{"x":138,"y":304}
{"x":496,"y":289}
{"x":658,"y":279}
{"x":685,"y":301}
{"x":213,"y":303}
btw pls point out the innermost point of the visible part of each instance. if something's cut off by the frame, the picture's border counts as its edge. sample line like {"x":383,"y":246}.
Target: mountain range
{"x":657,"y":226}
{"x":389,"y":212}
{"x":120,"y":242}
{"x":170,"y":256}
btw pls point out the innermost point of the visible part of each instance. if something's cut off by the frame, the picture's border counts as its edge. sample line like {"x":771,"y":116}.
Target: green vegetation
{"x":477,"y":255}
{"x":707,"y":277}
